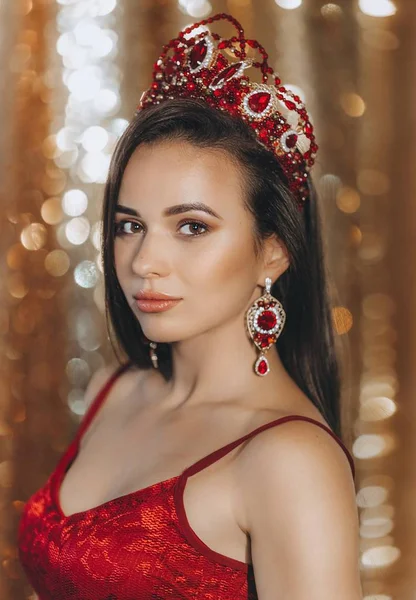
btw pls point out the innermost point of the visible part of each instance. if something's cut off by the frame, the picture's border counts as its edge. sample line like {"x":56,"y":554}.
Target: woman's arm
{"x":299,"y":508}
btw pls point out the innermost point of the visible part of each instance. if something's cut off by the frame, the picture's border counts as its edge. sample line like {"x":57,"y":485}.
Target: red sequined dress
{"x":136,"y":547}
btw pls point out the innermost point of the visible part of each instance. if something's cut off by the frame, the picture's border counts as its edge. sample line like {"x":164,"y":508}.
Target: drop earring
{"x":265,"y":320}
{"x":153,"y":355}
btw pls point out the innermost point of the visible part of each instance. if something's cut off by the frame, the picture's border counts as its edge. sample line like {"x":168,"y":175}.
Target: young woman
{"x":209,"y":464}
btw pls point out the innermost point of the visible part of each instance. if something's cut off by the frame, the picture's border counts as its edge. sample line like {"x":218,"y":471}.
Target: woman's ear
{"x":275,"y":259}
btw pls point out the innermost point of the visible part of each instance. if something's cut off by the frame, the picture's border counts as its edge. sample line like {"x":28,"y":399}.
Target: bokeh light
{"x":196,"y":8}
{"x":343,"y":320}
{"x":288,"y":4}
{"x":377,"y":8}
{"x":348,"y":199}
{"x":353,"y":104}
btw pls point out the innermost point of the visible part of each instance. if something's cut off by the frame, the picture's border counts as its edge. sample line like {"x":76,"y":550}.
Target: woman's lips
{"x":155,"y":305}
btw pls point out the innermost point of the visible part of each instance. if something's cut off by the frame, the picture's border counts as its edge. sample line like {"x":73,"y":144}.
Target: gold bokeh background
{"x":357,"y":73}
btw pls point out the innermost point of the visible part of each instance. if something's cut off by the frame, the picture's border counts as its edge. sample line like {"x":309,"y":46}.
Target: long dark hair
{"x":306,"y":346}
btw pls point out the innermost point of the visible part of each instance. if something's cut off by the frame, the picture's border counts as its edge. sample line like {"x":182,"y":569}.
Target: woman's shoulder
{"x":293,"y":447}
{"x":285,"y":460}
{"x":129,"y":378}
{"x":301,"y":434}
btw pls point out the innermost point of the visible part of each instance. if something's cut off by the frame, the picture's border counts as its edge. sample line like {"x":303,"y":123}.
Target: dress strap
{"x":217,"y":454}
{"x":71,"y":452}
{"x":100,"y":397}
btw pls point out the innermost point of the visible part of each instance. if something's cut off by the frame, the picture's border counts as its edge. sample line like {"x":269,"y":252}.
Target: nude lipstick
{"x":153,"y":302}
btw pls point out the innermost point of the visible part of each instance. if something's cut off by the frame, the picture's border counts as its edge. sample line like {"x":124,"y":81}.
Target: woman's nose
{"x":151,"y":258}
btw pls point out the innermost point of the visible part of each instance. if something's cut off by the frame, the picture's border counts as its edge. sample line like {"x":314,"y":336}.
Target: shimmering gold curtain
{"x":401,"y":273}
{"x":33,"y":420}
{"x":356,"y":73}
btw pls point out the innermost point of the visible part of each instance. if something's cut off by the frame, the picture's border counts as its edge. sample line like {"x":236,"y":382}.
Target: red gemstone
{"x":264,"y":134}
{"x":170,"y":69}
{"x":221,"y":62}
{"x":262,"y":367}
{"x":308,"y":129}
{"x":259,"y":101}
{"x":291,"y":140}
{"x":290,"y":105}
{"x":267,"y":340}
{"x":198,"y":54}
{"x":226,"y":73}
{"x":267,"y":320}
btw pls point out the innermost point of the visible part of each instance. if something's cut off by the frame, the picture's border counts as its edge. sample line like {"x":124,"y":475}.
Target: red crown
{"x":194,"y":66}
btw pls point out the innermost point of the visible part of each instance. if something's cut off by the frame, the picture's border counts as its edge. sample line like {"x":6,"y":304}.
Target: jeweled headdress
{"x":194,"y":65}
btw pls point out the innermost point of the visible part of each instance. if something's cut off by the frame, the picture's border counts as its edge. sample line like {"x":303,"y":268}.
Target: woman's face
{"x":203,"y":255}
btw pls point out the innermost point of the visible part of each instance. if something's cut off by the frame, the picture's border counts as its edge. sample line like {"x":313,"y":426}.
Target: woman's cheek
{"x":220,"y":267}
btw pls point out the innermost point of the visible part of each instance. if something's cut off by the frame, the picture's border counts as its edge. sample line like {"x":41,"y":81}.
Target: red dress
{"x":136,"y":547}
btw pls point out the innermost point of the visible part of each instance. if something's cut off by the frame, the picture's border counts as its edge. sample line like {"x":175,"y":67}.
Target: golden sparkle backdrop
{"x":71,"y":75}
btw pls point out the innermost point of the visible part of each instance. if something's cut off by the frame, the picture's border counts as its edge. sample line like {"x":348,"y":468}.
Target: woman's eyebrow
{"x":172,"y":210}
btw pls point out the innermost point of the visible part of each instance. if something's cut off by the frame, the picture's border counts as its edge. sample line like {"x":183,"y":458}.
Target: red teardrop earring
{"x":265,"y":320}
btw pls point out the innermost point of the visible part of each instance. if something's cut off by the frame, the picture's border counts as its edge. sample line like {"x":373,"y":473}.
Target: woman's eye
{"x":193,"y":227}
{"x":119,"y":227}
